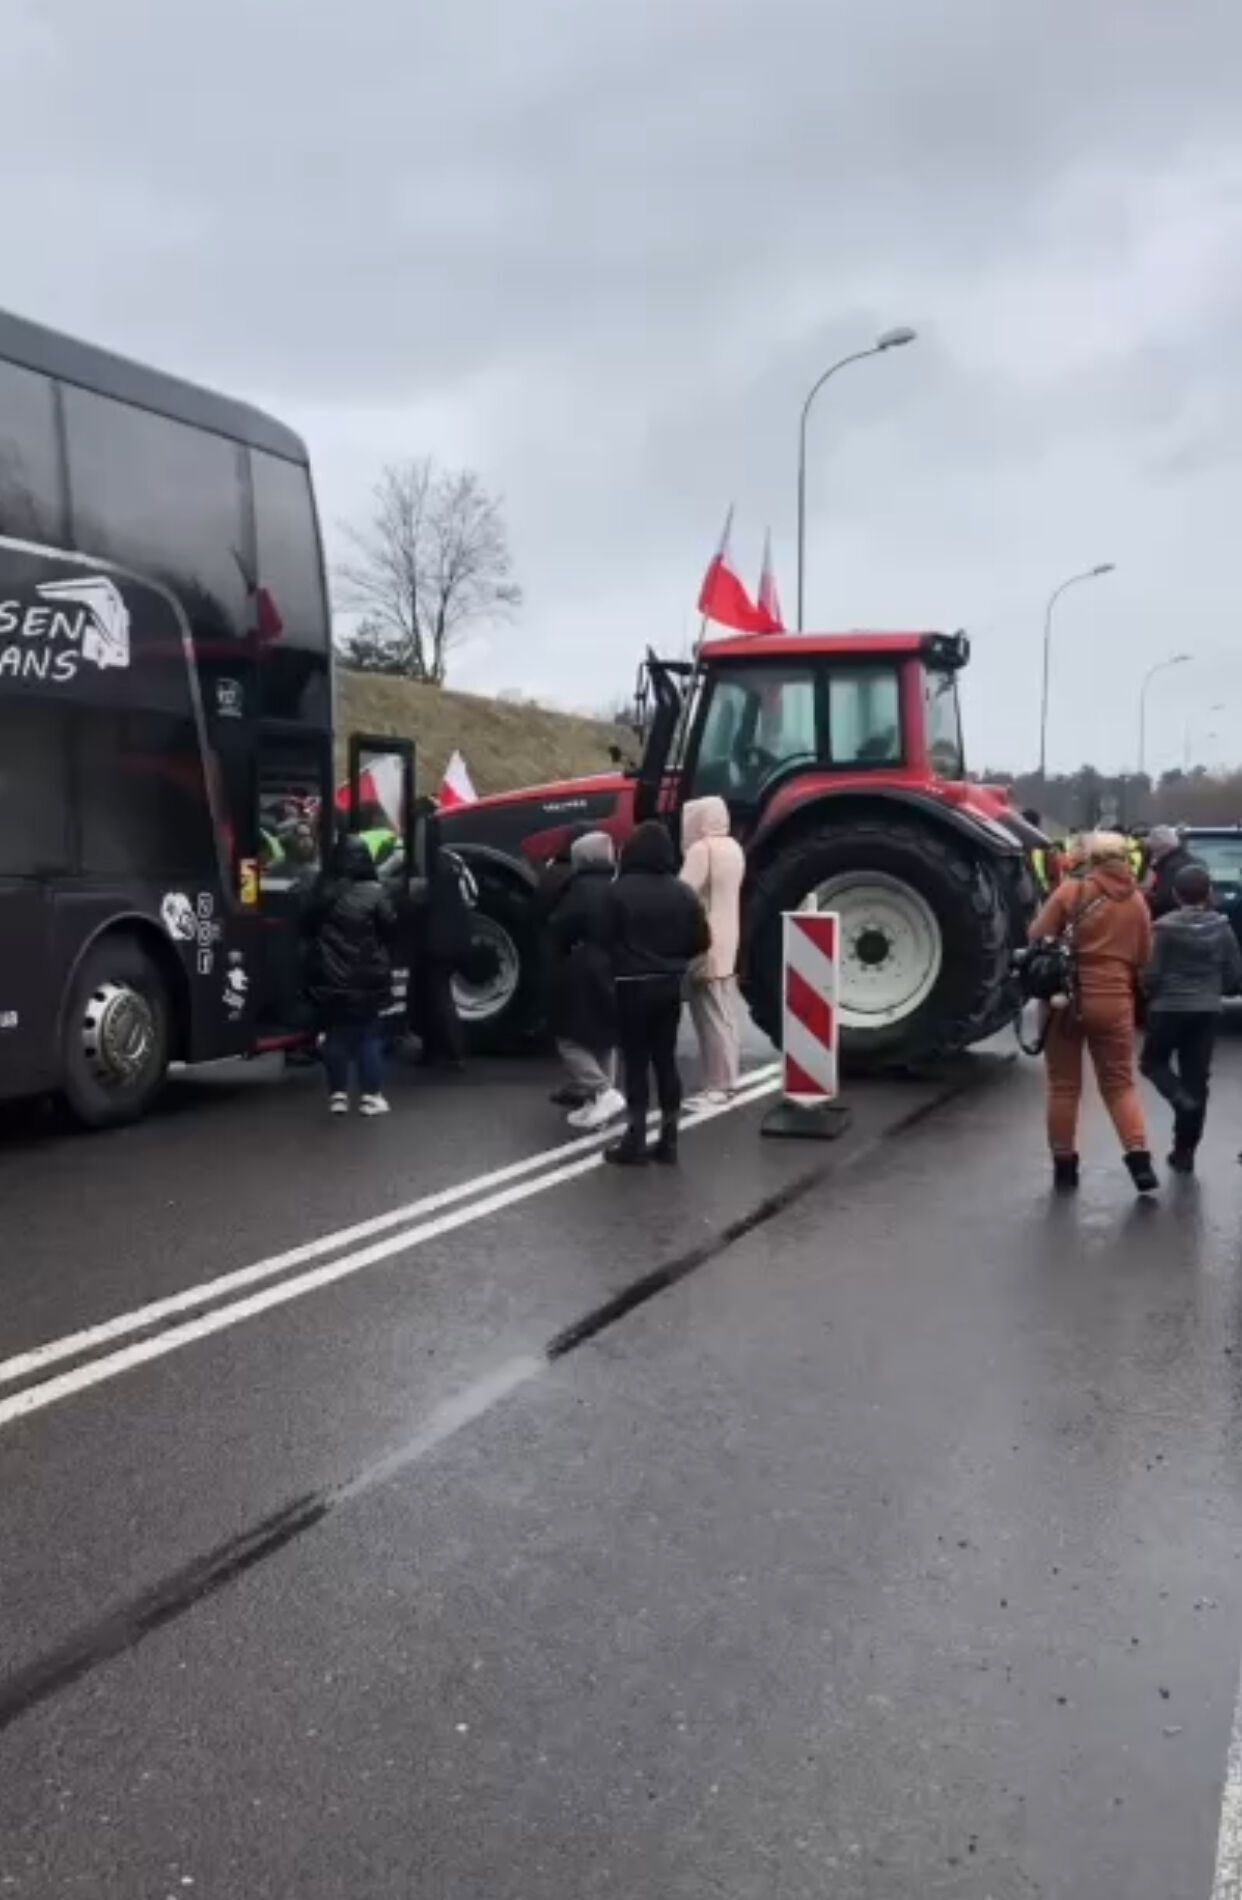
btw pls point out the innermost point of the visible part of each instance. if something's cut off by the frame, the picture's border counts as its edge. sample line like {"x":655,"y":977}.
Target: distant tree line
{"x":1076,"y":801}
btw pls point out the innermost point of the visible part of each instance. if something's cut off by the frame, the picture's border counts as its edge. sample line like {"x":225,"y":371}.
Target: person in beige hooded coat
{"x":714,"y":867}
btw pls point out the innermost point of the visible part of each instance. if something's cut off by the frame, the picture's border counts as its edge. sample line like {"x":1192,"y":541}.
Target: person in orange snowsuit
{"x":1111,"y":928}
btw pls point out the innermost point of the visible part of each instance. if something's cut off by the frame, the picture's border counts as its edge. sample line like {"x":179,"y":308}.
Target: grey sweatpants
{"x":713,"y":1011}
{"x":585,"y":1070}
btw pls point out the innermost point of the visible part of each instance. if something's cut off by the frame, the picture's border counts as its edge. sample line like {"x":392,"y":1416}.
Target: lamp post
{"x":890,"y":340}
{"x":1161,"y":666}
{"x":1088,"y":574}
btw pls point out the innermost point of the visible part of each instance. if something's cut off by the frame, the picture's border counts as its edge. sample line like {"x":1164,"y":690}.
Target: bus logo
{"x":104,"y":627}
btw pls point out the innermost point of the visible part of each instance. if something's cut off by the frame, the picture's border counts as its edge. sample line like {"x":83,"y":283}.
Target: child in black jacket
{"x":1195,"y":964}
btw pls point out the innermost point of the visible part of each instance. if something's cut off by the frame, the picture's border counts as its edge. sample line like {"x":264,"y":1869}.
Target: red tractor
{"x":840,"y":758}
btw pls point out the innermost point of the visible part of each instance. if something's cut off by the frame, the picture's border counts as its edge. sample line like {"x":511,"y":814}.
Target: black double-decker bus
{"x":166,"y":725}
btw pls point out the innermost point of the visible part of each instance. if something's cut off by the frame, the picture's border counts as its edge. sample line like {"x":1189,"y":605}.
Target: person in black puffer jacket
{"x":656,"y":927}
{"x":351,"y":924}
{"x":583,"y":1003}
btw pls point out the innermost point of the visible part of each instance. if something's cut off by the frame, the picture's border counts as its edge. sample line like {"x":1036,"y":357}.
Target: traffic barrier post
{"x":810,"y":1035}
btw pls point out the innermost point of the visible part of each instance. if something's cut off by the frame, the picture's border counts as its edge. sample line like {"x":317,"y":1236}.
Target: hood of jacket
{"x":650,"y":849}
{"x":354,"y":861}
{"x":704,"y":818}
{"x":1113,"y":877}
{"x":593,"y":851}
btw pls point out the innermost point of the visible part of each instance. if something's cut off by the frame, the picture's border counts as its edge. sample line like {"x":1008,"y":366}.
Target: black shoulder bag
{"x":1048,"y":969}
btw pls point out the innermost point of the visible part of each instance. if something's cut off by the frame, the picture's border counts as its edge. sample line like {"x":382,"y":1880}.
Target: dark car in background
{"x":1219,"y":850}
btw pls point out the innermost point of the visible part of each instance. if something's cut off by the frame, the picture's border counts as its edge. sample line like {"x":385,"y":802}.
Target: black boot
{"x":1065,"y":1173}
{"x":665,"y":1149}
{"x":1143,"y":1175}
{"x":1187,"y":1134}
{"x":1187,"y":1130}
{"x":631,"y":1150}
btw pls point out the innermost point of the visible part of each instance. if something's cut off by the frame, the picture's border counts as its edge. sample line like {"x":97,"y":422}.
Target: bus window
{"x":287,"y":540}
{"x":147,"y":815}
{"x":164,"y":499}
{"x":34,"y":788}
{"x":31,"y":501}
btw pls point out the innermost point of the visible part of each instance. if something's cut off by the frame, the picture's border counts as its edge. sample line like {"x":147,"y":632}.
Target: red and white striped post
{"x":810,"y":1031}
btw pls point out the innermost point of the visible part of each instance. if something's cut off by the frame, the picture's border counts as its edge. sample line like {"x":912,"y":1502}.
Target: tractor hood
{"x":538,"y":823}
{"x":989,"y":807}
{"x":551,"y":795}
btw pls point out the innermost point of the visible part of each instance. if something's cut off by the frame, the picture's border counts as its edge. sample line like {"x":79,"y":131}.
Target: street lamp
{"x":1161,"y":666}
{"x":889,"y":340}
{"x":1088,"y":574}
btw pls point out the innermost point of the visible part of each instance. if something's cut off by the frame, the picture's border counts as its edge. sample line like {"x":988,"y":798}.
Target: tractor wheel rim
{"x":479,"y":1002}
{"x":118,"y":1035}
{"x":891,"y":947}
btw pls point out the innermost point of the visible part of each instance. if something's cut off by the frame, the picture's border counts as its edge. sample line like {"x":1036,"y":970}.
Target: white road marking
{"x":25,"y":1364}
{"x":81,"y":1378}
{"x":1228,"y":1882}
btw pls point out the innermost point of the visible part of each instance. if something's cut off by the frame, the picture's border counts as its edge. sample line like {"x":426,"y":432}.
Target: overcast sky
{"x":600,"y":251}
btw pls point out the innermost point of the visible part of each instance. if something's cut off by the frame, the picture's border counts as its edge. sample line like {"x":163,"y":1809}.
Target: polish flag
{"x":457,"y":788}
{"x":722,"y":596}
{"x":769,"y":599}
{"x":380,"y":785}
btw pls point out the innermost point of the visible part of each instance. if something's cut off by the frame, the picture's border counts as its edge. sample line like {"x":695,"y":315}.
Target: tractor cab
{"x":756,"y":716}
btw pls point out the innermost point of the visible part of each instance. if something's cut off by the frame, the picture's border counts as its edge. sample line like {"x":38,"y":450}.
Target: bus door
{"x":380,"y":807}
{"x":293,"y":797}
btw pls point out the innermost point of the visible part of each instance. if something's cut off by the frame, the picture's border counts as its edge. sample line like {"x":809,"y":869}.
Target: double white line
{"x":148,"y":1334}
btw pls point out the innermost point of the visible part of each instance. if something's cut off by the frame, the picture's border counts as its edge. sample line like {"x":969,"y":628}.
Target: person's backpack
{"x":1047,"y":972}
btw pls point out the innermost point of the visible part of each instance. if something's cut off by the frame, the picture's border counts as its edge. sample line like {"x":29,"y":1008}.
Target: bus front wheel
{"x":117,"y":1033}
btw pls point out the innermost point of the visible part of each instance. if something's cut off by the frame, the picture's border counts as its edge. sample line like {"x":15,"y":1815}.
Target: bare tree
{"x":432,"y":563}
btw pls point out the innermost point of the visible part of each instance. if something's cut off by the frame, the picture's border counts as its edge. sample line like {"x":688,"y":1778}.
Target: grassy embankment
{"x":504,"y":745}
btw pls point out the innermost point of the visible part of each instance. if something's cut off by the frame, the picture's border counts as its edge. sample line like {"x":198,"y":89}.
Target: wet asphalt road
{"x":893,"y":1548}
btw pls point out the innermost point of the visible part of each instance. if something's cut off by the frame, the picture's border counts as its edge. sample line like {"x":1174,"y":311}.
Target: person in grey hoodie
{"x":1195,"y":964}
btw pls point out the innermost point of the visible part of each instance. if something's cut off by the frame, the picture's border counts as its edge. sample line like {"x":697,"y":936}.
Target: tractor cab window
{"x":944,"y":724}
{"x":864,"y":716}
{"x":760,"y":720}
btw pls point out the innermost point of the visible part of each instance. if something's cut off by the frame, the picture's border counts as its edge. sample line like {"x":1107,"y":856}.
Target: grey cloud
{"x":609,"y":248}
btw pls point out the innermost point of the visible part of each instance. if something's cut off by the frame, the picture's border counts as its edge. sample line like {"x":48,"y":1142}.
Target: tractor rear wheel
{"x":924,"y":937}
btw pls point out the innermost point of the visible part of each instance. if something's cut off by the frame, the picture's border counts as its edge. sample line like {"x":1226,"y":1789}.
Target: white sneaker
{"x":605,"y":1108}
{"x":338,"y":1104}
{"x":373,"y":1105}
{"x":706,"y":1098}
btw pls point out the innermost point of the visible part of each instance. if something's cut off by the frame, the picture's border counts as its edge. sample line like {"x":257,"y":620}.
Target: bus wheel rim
{"x":118,"y":1035}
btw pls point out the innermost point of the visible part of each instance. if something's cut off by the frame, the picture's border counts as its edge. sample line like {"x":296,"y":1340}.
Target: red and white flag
{"x":457,"y":788}
{"x":769,"y":599}
{"x":379,"y":784}
{"x":722,"y":596}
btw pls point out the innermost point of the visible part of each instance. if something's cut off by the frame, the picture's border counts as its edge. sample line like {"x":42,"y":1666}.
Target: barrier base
{"x":820,"y":1121}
